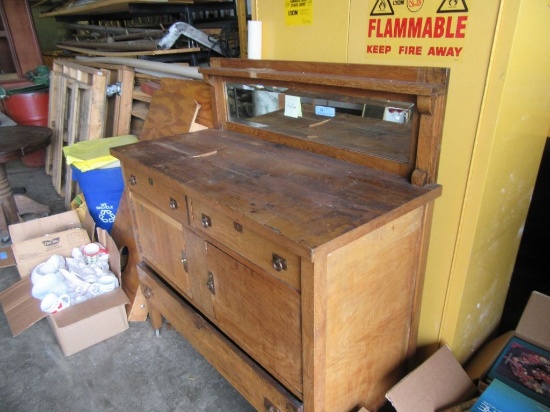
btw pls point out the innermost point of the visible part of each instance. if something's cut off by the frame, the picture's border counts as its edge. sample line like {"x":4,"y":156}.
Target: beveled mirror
{"x":389,"y":118}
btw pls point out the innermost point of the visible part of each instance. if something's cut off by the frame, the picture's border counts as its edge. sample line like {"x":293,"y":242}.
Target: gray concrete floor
{"x":133,"y":371}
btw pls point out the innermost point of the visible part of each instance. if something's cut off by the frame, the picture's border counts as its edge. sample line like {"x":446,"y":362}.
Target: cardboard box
{"x":79,"y":326}
{"x":441,"y":382}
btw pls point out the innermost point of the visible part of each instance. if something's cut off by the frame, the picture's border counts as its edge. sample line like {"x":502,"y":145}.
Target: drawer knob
{"x":173,"y":204}
{"x":206,"y":221}
{"x":147,"y":292}
{"x":279,"y":263}
{"x":151,"y":182}
{"x":132,"y":180}
{"x":269,"y":407}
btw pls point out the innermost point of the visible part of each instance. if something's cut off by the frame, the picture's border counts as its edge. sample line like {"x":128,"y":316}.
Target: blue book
{"x":499,"y":397}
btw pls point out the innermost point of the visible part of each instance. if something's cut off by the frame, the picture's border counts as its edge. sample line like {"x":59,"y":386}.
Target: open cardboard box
{"x":441,"y":382}
{"x":76,"y":327}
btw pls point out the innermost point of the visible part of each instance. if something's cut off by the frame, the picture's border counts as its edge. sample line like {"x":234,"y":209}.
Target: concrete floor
{"x":133,"y":371}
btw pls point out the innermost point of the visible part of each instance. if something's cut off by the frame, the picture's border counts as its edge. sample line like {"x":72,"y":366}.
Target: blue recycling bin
{"x":102,"y":189}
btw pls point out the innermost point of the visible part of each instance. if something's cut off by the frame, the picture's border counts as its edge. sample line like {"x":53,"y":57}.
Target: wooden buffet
{"x":291,"y":252}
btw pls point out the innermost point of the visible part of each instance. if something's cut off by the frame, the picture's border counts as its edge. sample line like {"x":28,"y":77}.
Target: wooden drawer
{"x":157,"y":189}
{"x":257,"y":386}
{"x":259,"y":312}
{"x":267,"y":255}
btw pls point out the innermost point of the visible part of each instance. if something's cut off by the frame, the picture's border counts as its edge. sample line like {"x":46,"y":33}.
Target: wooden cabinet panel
{"x":260,"y":313}
{"x":162,"y":243}
{"x":257,"y":386}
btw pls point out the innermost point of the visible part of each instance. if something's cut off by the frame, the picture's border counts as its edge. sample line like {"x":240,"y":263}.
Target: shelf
{"x":105,"y":6}
{"x":93,"y":52}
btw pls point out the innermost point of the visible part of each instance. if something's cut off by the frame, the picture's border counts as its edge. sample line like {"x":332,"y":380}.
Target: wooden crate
{"x":76,"y":113}
{"x":79,"y":110}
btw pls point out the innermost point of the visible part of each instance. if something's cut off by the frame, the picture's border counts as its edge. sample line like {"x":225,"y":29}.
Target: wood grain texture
{"x":299,"y":200}
{"x":122,"y":233}
{"x":412,"y":153}
{"x":241,"y":371}
{"x":169,"y":114}
{"x":310,"y":264}
{"x":196,"y":90}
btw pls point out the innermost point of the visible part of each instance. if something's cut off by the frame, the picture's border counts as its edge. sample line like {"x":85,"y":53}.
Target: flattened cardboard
{"x":43,"y":226}
{"x":21,"y":309}
{"x":438,"y":383}
{"x":6,"y":257}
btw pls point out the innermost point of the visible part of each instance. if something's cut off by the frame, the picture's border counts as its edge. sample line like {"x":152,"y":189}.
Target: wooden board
{"x":94,"y":52}
{"x":104,"y":6}
{"x":170,"y":113}
{"x":197,"y":90}
{"x":123,"y":235}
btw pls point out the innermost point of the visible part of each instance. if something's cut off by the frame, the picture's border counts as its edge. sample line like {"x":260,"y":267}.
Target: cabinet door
{"x":161,"y":241}
{"x":260,"y":312}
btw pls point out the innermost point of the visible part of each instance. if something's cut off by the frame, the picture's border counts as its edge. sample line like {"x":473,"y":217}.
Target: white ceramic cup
{"x":46,"y":284}
{"x":53,"y":303}
{"x":91,"y":252}
{"x":107,"y":283}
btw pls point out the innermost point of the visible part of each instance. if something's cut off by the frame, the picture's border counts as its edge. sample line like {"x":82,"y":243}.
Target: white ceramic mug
{"x":91,"y":252}
{"x":49,"y":283}
{"x":107,"y":283}
{"x":53,"y":303}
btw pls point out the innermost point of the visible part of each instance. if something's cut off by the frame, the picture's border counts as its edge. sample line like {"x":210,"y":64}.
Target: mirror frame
{"x":425,"y":87}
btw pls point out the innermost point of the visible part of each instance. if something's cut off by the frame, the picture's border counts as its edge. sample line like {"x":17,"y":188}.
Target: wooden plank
{"x":196,"y":90}
{"x":104,"y":6}
{"x":170,"y":113}
{"x":95,"y":52}
{"x":122,"y":233}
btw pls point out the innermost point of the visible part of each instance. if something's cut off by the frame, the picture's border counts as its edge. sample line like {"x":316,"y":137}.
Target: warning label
{"x":298,"y":12}
{"x":410,"y":28}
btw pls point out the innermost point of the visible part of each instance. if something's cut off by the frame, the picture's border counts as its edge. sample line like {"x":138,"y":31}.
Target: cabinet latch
{"x":183,"y":261}
{"x":210,"y":283}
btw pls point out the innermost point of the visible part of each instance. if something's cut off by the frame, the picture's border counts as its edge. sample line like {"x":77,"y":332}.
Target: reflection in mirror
{"x":382,"y":128}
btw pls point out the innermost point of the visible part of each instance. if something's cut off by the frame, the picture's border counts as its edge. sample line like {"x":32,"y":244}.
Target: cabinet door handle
{"x":173,"y":204}
{"x":279,"y":262}
{"x":206,"y":221}
{"x":132,"y":180}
